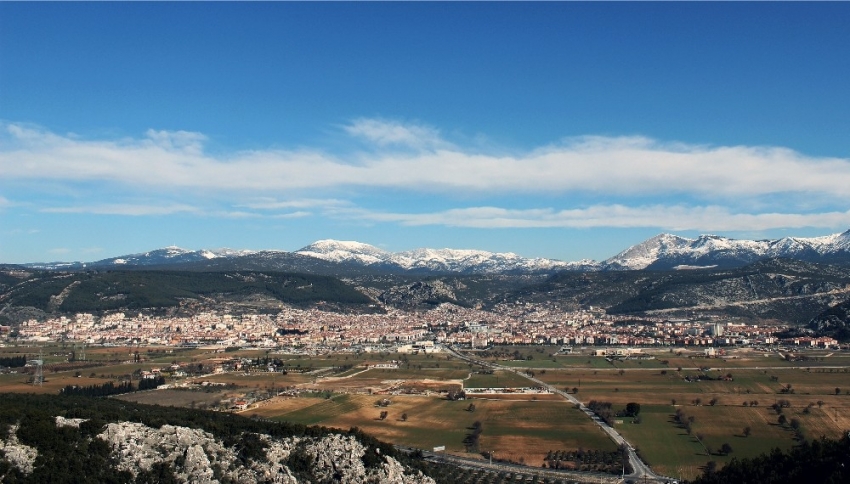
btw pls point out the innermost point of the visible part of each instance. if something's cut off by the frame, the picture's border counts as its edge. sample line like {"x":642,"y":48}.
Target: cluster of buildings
{"x":409,"y":331}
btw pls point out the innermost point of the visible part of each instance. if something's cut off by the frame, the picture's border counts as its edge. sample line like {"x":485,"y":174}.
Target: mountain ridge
{"x":662,"y":252}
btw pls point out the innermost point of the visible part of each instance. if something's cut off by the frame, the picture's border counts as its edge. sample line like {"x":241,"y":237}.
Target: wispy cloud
{"x":186,"y":141}
{"x":394,"y":133}
{"x":124,"y":209}
{"x":20,"y":231}
{"x":709,"y":218}
{"x":270,"y":203}
{"x":299,"y":214}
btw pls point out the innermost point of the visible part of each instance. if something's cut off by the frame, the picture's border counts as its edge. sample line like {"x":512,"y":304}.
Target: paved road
{"x":692,"y":368}
{"x":517,"y":470}
{"x":640,"y":471}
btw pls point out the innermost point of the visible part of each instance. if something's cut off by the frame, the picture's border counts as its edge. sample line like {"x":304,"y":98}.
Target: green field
{"x":671,"y":451}
{"x":498,"y":379}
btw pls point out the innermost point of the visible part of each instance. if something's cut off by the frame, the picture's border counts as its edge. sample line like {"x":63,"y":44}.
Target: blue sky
{"x":562,"y":130}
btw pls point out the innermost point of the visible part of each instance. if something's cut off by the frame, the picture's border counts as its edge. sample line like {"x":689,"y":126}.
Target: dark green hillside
{"x":98,"y":291}
{"x":783,"y":289}
{"x":821,"y":461}
{"x":834,"y":322}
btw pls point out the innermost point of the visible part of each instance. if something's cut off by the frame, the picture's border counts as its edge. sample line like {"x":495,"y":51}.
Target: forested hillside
{"x":98,"y":291}
{"x":783,"y":289}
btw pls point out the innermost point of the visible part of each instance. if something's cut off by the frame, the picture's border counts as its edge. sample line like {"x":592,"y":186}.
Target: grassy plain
{"x":498,"y":379}
{"x":665,"y":444}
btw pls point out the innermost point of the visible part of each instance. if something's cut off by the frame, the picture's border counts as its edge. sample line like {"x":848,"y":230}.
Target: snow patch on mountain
{"x":345,"y":251}
{"x":712,"y":250}
{"x":436,"y":260}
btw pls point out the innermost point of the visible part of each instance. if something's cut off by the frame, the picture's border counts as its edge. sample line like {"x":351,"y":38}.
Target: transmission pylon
{"x":38,"y":379}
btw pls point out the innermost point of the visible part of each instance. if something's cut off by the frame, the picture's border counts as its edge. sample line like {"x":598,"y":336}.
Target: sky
{"x":561,"y":130}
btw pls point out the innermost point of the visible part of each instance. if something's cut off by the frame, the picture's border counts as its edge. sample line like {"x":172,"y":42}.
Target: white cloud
{"x":186,"y":141}
{"x":269,"y":203}
{"x":729,"y":188}
{"x":20,"y":231}
{"x":231,"y":214}
{"x":124,"y":209}
{"x":706,"y":219}
{"x":298,"y":214}
{"x":602,"y":166}
{"x":389,"y":133}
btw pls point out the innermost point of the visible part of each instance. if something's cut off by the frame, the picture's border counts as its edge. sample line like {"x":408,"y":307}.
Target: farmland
{"x":518,"y":429}
{"x":727,"y":400}
{"x":722,"y":402}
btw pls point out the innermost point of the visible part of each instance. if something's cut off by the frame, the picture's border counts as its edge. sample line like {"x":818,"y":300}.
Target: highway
{"x":640,"y":471}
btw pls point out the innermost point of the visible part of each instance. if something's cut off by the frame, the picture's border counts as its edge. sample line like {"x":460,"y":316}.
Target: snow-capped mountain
{"x":434,"y":260}
{"x":172,"y":255}
{"x":666,"y":251}
{"x":159,"y":257}
{"x":166,"y":255}
{"x":334,"y":257}
{"x":345,"y":251}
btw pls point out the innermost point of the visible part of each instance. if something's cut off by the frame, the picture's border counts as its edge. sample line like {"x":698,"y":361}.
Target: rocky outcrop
{"x":17,"y":454}
{"x":69,"y":422}
{"x":339,"y":458}
{"x":198,"y":457}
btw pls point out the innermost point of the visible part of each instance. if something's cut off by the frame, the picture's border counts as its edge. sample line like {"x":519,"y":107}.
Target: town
{"x":397,"y":330}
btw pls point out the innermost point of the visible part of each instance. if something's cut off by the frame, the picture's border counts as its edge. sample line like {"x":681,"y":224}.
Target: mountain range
{"x":666,"y":251}
{"x":662,"y":252}
{"x":779,"y":285}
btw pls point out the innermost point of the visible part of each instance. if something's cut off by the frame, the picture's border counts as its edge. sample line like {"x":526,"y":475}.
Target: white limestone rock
{"x":197,"y":457}
{"x":69,"y":422}
{"x":338,"y":458}
{"x":17,"y":454}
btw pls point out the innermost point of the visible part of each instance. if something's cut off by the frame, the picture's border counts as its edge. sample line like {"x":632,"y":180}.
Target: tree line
{"x":590,"y":460}
{"x":13,"y":361}
{"x":822,"y":461}
{"x":110,"y":388}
